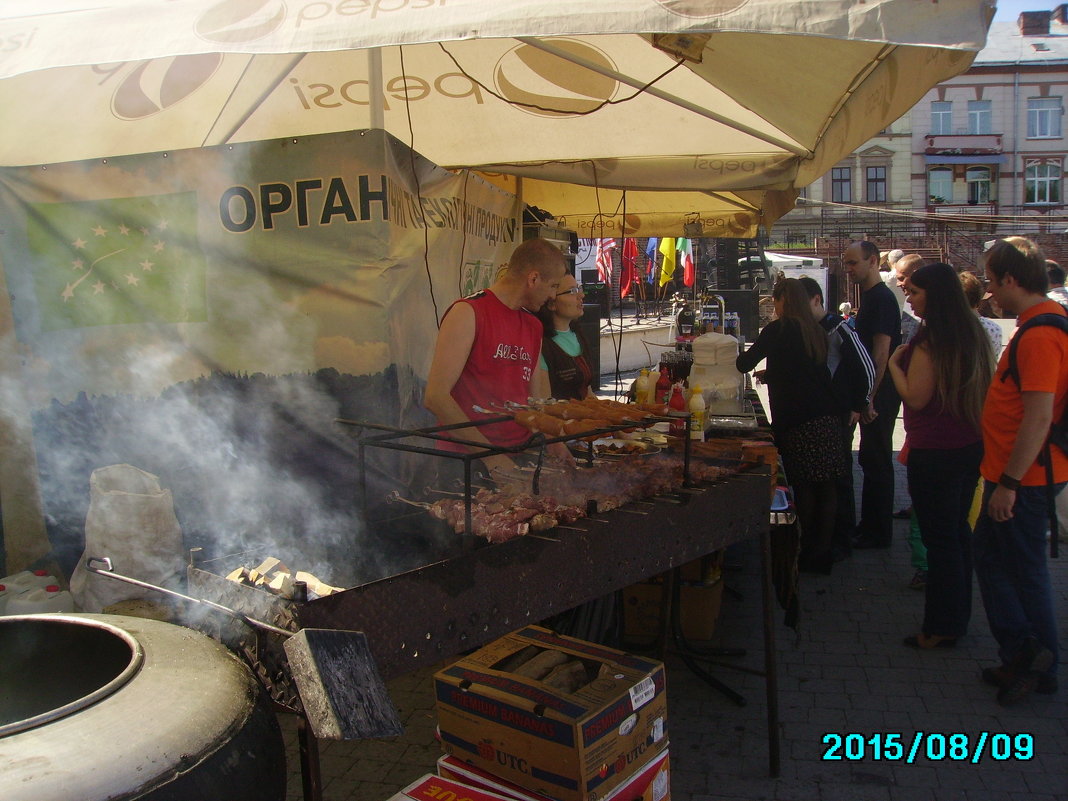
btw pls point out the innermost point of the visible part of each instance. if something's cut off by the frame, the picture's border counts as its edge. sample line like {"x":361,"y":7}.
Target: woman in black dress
{"x":803,"y":416}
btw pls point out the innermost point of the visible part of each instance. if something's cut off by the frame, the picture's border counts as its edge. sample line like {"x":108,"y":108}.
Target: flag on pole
{"x":604,"y":259}
{"x":117,"y":261}
{"x":685,"y":248}
{"x":650,"y":255}
{"x":630,"y":266}
{"x":667,"y":268}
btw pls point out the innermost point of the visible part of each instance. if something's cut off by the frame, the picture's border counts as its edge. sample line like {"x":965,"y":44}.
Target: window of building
{"x":940,"y":185}
{"x":980,"y":118}
{"x":941,"y":117}
{"x":1044,"y":117}
{"x":1042,"y":182}
{"x":841,"y":185}
{"x":979,"y":184}
{"x":875,"y":184}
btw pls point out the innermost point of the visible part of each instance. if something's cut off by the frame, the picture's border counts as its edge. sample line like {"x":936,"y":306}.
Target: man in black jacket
{"x":852,"y":376}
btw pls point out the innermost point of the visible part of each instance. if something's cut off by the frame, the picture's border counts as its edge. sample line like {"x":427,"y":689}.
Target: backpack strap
{"x":1049,"y":318}
{"x":1044,"y":457}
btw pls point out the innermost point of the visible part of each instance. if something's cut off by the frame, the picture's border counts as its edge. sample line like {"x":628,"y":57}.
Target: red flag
{"x":689,"y":273}
{"x":604,"y":259}
{"x":630,"y":266}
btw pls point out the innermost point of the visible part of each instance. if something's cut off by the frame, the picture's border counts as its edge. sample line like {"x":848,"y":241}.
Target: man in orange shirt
{"x":1010,"y":535}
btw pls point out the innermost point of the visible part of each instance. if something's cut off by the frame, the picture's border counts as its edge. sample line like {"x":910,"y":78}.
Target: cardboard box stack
{"x":700,"y":596}
{"x":555,"y":716}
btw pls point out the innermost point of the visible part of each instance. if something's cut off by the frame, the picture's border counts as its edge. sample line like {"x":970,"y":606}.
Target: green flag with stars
{"x":117,"y":261}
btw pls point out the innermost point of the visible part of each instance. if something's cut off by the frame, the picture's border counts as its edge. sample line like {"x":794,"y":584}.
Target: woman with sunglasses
{"x":942,"y":375}
{"x":564,"y":368}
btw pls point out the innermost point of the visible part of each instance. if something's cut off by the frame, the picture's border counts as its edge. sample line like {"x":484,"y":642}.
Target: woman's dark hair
{"x":960,"y":350}
{"x":548,"y":324}
{"x":796,"y":308}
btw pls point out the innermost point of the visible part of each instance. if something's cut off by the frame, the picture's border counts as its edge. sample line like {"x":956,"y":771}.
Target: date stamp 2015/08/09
{"x":928,"y":747}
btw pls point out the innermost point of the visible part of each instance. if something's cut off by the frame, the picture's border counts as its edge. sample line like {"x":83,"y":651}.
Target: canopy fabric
{"x":770,"y":95}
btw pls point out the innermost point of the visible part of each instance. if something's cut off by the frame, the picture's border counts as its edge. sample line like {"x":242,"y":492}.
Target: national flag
{"x":630,"y":266}
{"x":650,"y":255}
{"x":117,"y":261}
{"x":667,"y":268}
{"x":604,"y":259}
{"x":685,"y":248}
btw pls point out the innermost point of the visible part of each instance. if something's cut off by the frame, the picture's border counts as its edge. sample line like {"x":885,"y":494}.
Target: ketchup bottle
{"x":663,"y":386}
{"x":678,"y":404}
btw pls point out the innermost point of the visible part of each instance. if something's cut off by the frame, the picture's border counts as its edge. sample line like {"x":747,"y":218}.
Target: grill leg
{"x":311,"y":780}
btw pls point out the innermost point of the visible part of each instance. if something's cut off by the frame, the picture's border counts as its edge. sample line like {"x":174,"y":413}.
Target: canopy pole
{"x":251,"y":107}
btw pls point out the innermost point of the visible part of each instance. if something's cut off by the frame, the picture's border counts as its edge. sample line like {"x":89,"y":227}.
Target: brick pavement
{"x":844,"y":670}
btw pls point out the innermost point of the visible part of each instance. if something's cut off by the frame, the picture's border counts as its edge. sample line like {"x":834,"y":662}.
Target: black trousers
{"x":942,"y":485}
{"x":845,"y":518}
{"x":876,"y":459}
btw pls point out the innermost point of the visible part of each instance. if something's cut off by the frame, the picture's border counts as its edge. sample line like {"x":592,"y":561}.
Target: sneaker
{"x":903,"y":514}
{"x":1001,"y":676}
{"x":919,"y":580}
{"x":1025,"y":672}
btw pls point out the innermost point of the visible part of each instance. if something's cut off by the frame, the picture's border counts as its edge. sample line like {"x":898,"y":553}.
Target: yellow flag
{"x":667,"y":267}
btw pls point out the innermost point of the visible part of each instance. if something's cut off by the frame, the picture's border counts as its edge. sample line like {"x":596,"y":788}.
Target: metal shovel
{"x":343,"y":695}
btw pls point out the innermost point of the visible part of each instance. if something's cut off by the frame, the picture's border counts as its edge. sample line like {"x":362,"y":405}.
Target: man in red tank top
{"x":488,"y":346}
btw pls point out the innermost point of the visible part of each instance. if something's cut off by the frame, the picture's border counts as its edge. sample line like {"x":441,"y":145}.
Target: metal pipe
{"x":101,"y":565}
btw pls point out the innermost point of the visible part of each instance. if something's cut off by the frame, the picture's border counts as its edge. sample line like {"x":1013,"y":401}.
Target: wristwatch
{"x":1008,"y":482}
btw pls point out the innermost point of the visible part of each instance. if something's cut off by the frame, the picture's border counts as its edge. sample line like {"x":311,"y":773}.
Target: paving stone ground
{"x":843,"y":671}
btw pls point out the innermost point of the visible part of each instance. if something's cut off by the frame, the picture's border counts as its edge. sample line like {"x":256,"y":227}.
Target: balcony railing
{"x":964,"y":209}
{"x":964,"y":141}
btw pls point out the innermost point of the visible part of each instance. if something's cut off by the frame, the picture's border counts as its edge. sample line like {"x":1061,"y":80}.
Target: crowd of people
{"x":981,"y":475}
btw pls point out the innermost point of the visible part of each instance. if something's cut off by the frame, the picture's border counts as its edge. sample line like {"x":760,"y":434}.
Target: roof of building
{"x":1006,"y":44}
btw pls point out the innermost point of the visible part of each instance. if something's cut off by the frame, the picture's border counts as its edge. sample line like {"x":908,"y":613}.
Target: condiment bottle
{"x":641,"y":387}
{"x":696,"y":408}
{"x":677,"y":404}
{"x":663,"y":386}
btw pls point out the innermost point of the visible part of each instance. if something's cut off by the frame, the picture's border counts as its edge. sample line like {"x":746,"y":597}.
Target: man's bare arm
{"x":1034,"y":428}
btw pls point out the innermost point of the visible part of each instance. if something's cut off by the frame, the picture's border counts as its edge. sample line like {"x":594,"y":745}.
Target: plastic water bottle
{"x":18,"y":583}
{"x":41,"y":599}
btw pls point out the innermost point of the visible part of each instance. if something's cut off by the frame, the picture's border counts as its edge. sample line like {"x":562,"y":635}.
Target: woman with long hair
{"x":804,"y":415}
{"x":942,"y":376}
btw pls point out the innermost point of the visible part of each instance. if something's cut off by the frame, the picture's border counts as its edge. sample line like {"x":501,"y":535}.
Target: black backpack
{"x":1058,"y":430}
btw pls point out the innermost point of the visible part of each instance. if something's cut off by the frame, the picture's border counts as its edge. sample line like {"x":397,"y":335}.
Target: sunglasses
{"x":575,"y":290}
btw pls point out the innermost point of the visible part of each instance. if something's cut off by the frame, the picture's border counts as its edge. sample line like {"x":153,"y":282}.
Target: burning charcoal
{"x":568,"y":677}
{"x":540,"y":666}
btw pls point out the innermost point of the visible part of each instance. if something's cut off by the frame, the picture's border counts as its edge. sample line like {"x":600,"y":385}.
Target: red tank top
{"x":500,"y":366}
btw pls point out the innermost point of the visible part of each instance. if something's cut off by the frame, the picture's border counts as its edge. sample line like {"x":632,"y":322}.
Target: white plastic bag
{"x":131,"y":520}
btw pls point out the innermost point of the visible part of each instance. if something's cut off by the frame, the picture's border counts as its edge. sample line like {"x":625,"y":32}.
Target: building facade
{"x":985,"y":151}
